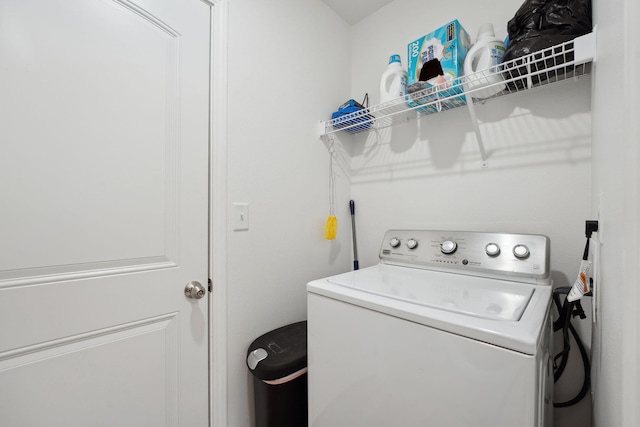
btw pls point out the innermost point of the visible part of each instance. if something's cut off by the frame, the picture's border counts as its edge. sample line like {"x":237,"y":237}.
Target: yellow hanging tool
{"x":331,"y":227}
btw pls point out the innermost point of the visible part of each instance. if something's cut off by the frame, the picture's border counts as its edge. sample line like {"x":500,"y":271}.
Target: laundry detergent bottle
{"x":393,"y":83}
{"x":481,"y":65}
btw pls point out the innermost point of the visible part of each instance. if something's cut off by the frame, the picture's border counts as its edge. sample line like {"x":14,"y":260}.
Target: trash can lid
{"x":279,"y":353}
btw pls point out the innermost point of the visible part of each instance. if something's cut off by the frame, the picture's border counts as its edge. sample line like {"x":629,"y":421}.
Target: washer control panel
{"x":489,"y":254}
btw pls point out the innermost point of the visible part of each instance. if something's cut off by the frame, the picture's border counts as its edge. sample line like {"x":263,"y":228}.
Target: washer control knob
{"x":520,"y":251}
{"x":394,"y":242}
{"x":412,"y":243}
{"x":492,"y":249}
{"x":448,"y":247}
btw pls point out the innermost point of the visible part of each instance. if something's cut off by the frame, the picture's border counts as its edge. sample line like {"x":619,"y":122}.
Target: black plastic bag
{"x":536,"y":27}
{"x":540,"y":24}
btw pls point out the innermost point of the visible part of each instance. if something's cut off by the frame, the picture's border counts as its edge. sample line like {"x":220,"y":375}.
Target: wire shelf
{"x":568,"y":60}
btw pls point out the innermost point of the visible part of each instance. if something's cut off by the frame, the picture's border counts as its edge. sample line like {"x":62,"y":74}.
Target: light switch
{"x":241,"y":216}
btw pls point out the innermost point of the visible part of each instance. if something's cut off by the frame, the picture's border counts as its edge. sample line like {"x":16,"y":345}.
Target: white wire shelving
{"x":564,"y":61}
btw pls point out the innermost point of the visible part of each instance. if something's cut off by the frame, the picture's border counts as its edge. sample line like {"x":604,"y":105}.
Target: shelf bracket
{"x":322,"y":129}
{"x":474,"y":121}
{"x":585,"y":47}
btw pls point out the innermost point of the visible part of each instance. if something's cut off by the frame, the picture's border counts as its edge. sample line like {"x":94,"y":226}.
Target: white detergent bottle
{"x":481,"y":65}
{"x":394,"y":80}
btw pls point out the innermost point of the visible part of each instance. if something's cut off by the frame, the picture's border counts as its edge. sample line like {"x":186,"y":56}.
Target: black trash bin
{"x":278,"y":362}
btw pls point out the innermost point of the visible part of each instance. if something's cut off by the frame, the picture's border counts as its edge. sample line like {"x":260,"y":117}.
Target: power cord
{"x":567,"y":311}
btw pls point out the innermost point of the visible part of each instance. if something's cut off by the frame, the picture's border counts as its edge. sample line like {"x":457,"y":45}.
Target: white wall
{"x":288,"y":66}
{"x":616,"y":191}
{"x":428,"y":174}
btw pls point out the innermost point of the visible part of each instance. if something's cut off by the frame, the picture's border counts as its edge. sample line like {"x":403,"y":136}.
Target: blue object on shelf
{"x":353,"y":116}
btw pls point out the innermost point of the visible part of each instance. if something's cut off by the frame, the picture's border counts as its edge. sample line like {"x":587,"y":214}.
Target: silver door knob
{"x":195,"y":290}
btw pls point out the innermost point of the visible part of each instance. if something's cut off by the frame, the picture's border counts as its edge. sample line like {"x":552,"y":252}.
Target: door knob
{"x":195,"y":290}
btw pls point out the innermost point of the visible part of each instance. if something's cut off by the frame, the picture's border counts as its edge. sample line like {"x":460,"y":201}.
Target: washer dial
{"x":492,"y":249}
{"x":394,"y":242}
{"x":412,"y":243}
{"x":520,"y":251}
{"x":448,"y":247}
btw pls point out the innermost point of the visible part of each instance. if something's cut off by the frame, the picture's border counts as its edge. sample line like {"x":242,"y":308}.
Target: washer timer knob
{"x":492,"y":249}
{"x":520,"y":251}
{"x":412,"y":243}
{"x":448,"y":247}
{"x":394,"y":242}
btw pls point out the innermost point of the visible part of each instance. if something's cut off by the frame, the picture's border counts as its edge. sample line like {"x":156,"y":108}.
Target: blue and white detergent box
{"x":435,"y":62}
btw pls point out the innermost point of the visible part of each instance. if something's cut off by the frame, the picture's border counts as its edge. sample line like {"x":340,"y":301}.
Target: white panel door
{"x":104,"y":123}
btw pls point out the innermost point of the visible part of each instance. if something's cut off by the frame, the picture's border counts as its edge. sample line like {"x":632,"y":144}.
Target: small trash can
{"x":278,"y":362}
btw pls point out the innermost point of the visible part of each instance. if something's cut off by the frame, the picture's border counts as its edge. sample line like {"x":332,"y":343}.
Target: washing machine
{"x":449,"y":329}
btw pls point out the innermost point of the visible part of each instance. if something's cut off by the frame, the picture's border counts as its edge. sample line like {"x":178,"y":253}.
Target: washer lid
{"x":473,"y":296}
{"x":512,"y":315}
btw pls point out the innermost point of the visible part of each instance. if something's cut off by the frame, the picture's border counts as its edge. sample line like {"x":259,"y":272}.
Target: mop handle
{"x":352,"y":207}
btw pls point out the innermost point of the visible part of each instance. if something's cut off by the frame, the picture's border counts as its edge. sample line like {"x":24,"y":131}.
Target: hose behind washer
{"x":567,"y":310}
